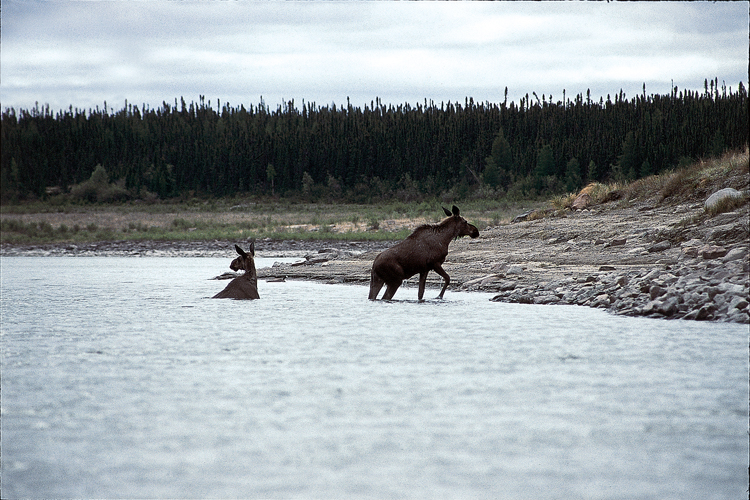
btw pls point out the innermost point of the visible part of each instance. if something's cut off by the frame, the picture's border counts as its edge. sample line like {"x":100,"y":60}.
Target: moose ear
{"x":252,"y":249}
{"x":446,"y":211}
{"x":455,"y":210}
{"x":241,"y":251}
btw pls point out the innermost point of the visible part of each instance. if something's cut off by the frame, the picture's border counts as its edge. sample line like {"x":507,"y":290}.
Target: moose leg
{"x":438,"y":269}
{"x":376,"y":283}
{"x":422,"y":281}
{"x":390,"y":291}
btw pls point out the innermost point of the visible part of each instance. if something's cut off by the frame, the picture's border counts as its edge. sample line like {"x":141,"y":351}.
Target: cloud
{"x":83,"y":53}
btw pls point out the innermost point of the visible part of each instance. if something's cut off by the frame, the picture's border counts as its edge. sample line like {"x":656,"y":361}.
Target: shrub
{"x":98,"y":188}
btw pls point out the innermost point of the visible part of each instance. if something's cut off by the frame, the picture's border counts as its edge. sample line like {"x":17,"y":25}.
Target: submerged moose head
{"x":245,"y":286}
{"x":421,"y":252}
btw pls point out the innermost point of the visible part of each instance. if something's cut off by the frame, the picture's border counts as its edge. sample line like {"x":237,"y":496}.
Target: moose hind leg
{"x":422,"y":281}
{"x":376,"y":283}
{"x":441,"y":272}
{"x":390,"y":291}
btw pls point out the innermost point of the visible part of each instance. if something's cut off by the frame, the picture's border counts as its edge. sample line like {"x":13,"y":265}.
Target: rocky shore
{"x":641,"y":259}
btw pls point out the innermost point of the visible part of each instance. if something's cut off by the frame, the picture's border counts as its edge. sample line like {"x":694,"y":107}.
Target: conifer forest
{"x":344,"y":153}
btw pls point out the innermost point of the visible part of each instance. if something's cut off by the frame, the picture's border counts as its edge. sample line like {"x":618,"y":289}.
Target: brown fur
{"x":421,"y":252}
{"x":245,"y":286}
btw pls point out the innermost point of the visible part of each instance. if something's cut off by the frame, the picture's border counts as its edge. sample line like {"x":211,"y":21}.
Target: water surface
{"x":120,"y":378}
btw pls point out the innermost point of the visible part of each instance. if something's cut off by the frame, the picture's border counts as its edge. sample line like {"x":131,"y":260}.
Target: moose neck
{"x":250,"y":272}
{"x":448,"y":230}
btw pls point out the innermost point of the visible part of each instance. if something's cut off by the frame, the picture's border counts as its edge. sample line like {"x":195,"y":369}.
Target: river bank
{"x":640,"y":259}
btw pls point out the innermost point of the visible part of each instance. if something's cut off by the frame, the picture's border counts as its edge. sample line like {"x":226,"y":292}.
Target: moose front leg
{"x":439,"y":269}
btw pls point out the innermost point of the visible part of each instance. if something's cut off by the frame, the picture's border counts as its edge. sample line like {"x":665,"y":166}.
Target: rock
{"x":601,"y":301}
{"x":582,"y":201}
{"x":669,"y":306}
{"x":492,"y":278}
{"x":727,"y":233}
{"x":656,"y":291}
{"x":622,"y":280}
{"x":514,"y":270}
{"x":732,"y":288}
{"x":545,"y":299}
{"x":606,"y":268}
{"x":522,"y":217}
{"x":638,"y":251}
{"x":651,"y":307}
{"x":618,"y":242}
{"x":227,"y":276}
{"x":659,"y":247}
{"x":705,"y":312}
{"x":719,"y":195}
{"x":483,"y":280}
{"x":317,"y":260}
{"x":735,"y":254}
{"x":712,"y":252}
{"x":691,"y":252}
{"x":712,"y":292}
{"x":506,"y":285}
{"x":652,"y":274}
{"x":498,"y":267}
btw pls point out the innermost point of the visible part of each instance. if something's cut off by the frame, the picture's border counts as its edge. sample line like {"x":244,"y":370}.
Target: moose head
{"x":463,"y":226}
{"x":245,"y":261}
{"x":246,"y":285}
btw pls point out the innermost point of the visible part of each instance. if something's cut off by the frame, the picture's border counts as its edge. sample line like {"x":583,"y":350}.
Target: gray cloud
{"x":83,"y":53}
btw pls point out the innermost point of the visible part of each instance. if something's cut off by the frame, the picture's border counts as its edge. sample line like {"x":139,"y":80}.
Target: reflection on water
{"x":121,"y":379}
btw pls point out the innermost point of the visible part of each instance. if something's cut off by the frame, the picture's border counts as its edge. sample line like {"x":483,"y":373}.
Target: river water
{"x":121,"y":379}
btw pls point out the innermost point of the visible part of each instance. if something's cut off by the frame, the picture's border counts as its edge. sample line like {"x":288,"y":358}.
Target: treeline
{"x":531,"y":147}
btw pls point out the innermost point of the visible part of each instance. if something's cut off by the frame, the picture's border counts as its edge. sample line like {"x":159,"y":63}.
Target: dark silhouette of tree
{"x":182,"y":149}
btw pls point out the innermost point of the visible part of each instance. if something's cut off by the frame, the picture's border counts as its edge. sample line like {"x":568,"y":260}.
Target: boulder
{"x":721,"y":194}
{"x":660,"y":247}
{"x":582,"y":201}
{"x":735,"y":254}
{"x":514,"y":270}
{"x":656,"y":291}
{"x":709,"y":252}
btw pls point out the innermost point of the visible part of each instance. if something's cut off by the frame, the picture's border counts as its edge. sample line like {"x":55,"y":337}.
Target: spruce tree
{"x":572,"y":175}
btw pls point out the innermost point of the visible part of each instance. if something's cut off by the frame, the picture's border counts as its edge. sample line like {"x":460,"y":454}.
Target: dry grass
{"x":693,"y":183}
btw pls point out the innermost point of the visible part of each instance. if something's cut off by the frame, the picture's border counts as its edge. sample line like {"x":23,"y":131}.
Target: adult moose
{"x":245,"y":286}
{"x":422,"y":251}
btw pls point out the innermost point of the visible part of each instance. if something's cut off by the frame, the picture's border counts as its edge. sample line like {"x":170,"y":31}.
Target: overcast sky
{"x":82,"y":53}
